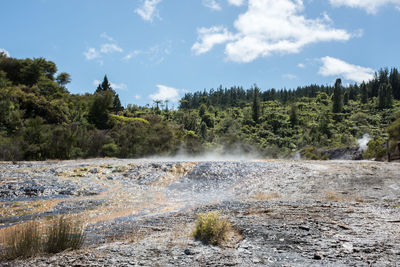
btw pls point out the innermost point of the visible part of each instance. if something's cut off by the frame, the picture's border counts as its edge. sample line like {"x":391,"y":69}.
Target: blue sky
{"x":160,"y":49}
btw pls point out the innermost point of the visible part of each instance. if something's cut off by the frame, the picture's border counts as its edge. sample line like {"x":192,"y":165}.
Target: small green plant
{"x":63,"y":234}
{"x":211,"y":228}
{"x":21,"y":241}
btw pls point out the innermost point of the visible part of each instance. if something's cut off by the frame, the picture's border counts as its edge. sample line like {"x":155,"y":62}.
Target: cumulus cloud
{"x":92,"y":53}
{"x":166,"y":93}
{"x":212,"y":4}
{"x":371,"y":6}
{"x":2,"y":50}
{"x":211,"y":36}
{"x":236,"y":2}
{"x":336,"y":67}
{"x":301,"y":65}
{"x":269,"y":27}
{"x":110,"y":48}
{"x":148,"y":10}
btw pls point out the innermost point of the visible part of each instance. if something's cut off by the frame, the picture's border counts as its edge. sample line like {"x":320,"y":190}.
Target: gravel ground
{"x":142,"y":212}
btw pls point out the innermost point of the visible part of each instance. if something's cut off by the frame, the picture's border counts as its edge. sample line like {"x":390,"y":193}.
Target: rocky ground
{"x":142,"y":212}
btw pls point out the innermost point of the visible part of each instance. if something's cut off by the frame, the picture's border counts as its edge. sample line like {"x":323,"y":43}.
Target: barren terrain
{"x":142,"y":212}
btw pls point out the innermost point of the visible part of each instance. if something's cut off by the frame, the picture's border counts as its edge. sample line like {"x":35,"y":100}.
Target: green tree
{"x":203,"y":130}
{"x":63,"y":79}
{"x":337,"y":97}
{"x":385,"y":96}
{"x":364,"y":93}
{"x":255,"y":108}
{"x":100,"y":109}
{"x":293,"y":115}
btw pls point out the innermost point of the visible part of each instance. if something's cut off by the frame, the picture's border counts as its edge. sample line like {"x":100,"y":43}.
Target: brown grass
{"x":263,"y":197}
{"x":32,"y":238}
{"x":21,"y":241}
{"x":339,"y":197}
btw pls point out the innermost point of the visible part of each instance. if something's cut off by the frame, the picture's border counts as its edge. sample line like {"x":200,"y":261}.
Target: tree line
{"x":40,"y":119}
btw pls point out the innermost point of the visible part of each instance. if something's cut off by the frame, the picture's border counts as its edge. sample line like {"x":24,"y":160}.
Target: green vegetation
{"x":211,"y":228}
{"x":40,"y":119}
{"x":30,"y":239}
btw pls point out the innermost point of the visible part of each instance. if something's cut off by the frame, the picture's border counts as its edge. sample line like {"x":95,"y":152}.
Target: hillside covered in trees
{"x":40,"y":119}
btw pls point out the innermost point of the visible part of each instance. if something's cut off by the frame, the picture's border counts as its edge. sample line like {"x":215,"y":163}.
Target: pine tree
{"x":364,"y":93}
{"x":394,"y":80}
{"x":337,"y":97}
{"x":256,"y":106}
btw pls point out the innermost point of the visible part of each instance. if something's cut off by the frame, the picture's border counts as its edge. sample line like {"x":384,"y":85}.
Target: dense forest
{"x":40,"y":119}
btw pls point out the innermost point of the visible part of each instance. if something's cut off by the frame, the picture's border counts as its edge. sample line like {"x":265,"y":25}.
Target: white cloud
{"x":2,"y":50}
{"x":92,"y":53}
{"x":371,"y":6}
{"x":236,"y":2}
{"x":301,"y":65}
{"x":212,"y":4}
{"x":119,"y":86}
{"x":166,"y":93}
{"x":336,"y":67}
{"x":110,"y":48}
{"x":268,"y":27}
{"x":132,"y":54}
{"x":289,"y":76}
{"x":138,"y":97}
{"x":106,"y":36}
{"x":208,"y":37}
{"x":148,"y":10}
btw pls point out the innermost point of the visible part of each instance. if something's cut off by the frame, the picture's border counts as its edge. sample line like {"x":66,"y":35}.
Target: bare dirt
{"x":142,"y":212}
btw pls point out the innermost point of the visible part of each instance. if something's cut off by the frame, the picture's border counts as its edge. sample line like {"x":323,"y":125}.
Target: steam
{"x":363,"y":142}
{"x":218,"y":154}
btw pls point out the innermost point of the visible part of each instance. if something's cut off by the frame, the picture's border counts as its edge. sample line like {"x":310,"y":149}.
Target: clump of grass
{"x":211,"y":228}
{"x":22,"y":241}
{"x":62,"y":234}
{"x":119,"y":169}
{"x":28,"y":240}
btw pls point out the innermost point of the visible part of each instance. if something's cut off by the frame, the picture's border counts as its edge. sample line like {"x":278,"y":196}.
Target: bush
{"x":64,"y":234}
{"x":210,"y":228}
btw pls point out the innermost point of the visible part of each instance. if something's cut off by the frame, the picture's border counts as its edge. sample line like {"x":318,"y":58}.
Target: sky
{"x":161,"y":49}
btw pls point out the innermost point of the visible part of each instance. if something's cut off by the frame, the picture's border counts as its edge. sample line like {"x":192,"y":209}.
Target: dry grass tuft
{"x":64,"y":233}
{"x":30,"y":239}
{"x":211,"y":228}
{"x":339,"y":197}
{"x":21,"y":241}
{"x":263,"y":197}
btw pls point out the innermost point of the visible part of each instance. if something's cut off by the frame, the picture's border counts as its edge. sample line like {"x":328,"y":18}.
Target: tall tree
{"x":255,"y":108}
{"x":394,"y":80}
{"x":364,"y":93}
{"x":337,"y":97}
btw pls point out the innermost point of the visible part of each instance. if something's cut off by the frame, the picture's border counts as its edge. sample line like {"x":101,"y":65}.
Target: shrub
{"x":22,"y":241}
{"x":210,"y":228}
{"x":63,"y":234}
